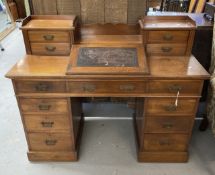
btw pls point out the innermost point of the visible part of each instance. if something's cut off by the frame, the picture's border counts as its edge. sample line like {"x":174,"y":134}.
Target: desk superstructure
{"x":166,"y":88}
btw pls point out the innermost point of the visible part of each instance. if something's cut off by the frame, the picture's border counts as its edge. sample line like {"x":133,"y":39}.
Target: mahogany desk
{"x":44,"y":90}
{"x":166,"y":89}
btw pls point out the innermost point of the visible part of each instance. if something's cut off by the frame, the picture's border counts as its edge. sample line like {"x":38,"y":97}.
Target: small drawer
{"x":43,"y":105}
{"x":166,"y":106}
{"x":166,"y":49}
{"x":168,"y":36}
{"x":172,"y":87}
{"x":40,"y":86}
{"x":50,"y":48}
{"x":50,"y":142}
{"x":124,"y":87}
{"x":168,"y":124}
{"x":50,"y":123}
{"x":165,"y":142}
{"x":49,"y":36}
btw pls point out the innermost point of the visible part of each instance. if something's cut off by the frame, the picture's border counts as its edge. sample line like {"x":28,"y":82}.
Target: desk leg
{"x":60,"y":150}
{"x":159,"y":154}
{"x":77,"y":117}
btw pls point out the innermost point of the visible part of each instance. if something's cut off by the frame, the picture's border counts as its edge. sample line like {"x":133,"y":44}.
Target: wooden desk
{"x":53,"y":120}
{"x":50,"y":89}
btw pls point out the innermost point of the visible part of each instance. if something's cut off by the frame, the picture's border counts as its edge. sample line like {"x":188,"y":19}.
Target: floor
{"x":108,"y":146}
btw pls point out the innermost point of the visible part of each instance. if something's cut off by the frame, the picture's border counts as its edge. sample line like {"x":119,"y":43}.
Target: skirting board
{"x":52,"y":156}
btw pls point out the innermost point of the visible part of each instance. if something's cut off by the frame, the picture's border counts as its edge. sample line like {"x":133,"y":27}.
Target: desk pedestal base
{"x":162,"y":157}
{"x":52,"y":156}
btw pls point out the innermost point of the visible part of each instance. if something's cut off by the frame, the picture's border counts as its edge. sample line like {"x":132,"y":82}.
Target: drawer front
{"x":168,"y":36}
{"x":52,"y":123}
{"x":49,"y":36}
{"x":166,"y":49}
{"x":43,"y":105}
{"x":128,"y":87}
{"x":168,"y":124}
{"x":40,"y":86}
{"x":165,"y":142}
{"x":50,"y":142}
{"x":172,"y":87}
{"x":50,"y":48}
{"x":166,"y":106}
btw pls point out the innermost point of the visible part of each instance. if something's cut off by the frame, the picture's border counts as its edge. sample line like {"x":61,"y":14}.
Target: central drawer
{"x":50,"y":48}
{"x":49,"y":36}
{"x":165,"y":142}
{"x":50,"y":142}
{"x":49,"y":123}
{"x":166,"y":106}
{"x":46,"y":105}
{"x":40,"y":86}
{"x":109,"y":87}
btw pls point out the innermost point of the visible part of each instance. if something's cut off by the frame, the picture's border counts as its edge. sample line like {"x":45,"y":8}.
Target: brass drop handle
{"x":47,"y":124}
{"x":127,"y":87}
{"x":166,"y":49}
{"x":42,"y":87}
{"x":164,"y":142}
{"x":88,"y":88}
{"x":168,"y":37}
{"x":50,"y":48}
{"x":50,"y":142}
{"x":174,"y":88}
{"x":167,"y":125}
{"x":171,"y":108}
{"x":44,"y":107}
{"x":48,"y":37}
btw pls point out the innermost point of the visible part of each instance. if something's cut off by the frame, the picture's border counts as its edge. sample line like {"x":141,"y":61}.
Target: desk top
{"x":49,"y":67}
{"x":121,"y":36}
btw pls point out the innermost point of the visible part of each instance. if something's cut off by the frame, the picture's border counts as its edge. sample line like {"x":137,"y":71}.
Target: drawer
{"x":50,"y":142}
{"x":124,"y":87}
{"x":49,"y":36}
{"x":165,"y":142}
{"x":168,"y":36}
{"x":172,"y":87}
{"x":166,"y":49}
{"x":51,"y":122}
{"x":166,"y":106}
{"x":40,"y":86}
{"x":50,"y":48}
{"x":43,"y":105}
{"x":168,"y":124}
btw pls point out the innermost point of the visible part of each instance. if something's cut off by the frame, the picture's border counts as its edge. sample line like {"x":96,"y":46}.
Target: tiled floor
{"x":108,"y":146}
